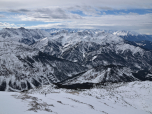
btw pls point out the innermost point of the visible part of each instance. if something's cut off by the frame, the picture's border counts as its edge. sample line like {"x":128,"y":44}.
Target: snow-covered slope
{"x":41,"y":44}
{"x":94,"y":48}
{"x":101,"y":49}
{"x":132,"y":36}
{"x":26,"y":36}
{"x":50,"y":47}
{"x":22,"y":67}
{"x":125,"y":33}
{"x":110,"y":73}
{"x":86,"y":36}
{"x":128,"y":98}
{"x":144,"y":44}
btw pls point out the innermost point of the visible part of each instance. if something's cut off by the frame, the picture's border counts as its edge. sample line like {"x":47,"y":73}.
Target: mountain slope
{"x":130,"y":98}
{"x":102,"y":74}
{"x":22,"y":67}
{"x":144,"y":44}
{"x":22,"y":35}
{"x":132,"y":36}
{"x":101,"y":48}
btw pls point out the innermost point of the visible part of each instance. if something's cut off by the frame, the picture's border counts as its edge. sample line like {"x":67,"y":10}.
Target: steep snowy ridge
{"x":95,"y":54}
{"x":26,"y":36}
{"x":50,"y":47}
{"x":102,"y":74}
{"x":41,"y":44}
{"x":144,"y":44}
{"x":22,"y":67}
{"x":85,"y":36}
{"x":125,"y":33}
{"x":132,"y":36}
{"x":83,"y":46}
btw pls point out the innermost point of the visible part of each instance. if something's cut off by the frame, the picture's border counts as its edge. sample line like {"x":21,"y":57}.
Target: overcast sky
{"x":132,"y":15}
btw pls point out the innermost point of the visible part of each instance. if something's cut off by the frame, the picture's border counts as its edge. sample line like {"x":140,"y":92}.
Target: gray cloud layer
{"x":131,"y":22}
{"x":60,"y":13}
{"x":45,"y":14}
{"x":6,"y":4}
{"x":2,"y":16}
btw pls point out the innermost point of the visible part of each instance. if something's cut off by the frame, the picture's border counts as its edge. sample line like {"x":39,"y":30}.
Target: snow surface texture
{"x":122,"y":98}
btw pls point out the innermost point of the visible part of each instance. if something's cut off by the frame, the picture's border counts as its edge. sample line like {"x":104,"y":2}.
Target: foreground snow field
{"x":122,"y":98}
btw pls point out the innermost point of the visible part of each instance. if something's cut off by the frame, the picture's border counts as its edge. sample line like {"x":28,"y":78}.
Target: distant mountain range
{"x":35,"y":57}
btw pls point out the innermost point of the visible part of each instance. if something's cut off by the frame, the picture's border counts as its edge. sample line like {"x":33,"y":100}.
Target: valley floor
{"x":128,"y":98}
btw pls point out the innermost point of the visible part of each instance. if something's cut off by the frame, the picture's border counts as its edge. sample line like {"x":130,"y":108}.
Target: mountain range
{"x":33,"y":57}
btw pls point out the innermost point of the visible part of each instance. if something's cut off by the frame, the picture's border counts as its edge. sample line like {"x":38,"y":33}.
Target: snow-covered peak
{"x":44,"y":41}
{"x":26,"y":36}
{"x":120,"y":33}
{"x":86,"y":36}
{"x":41,"y":44}
{"x":125,"y":33}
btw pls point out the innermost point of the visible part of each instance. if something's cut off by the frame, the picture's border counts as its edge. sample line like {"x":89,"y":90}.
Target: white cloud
{"x":44,"y":14}
{"x":120,"y":4}
{"x":110,"y":22}
{"x":59,"y":12}
{"x":3,"y":25}
{"x":2,"y":16}
{"x":87,"y":10}
{"x":10,"y":25}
